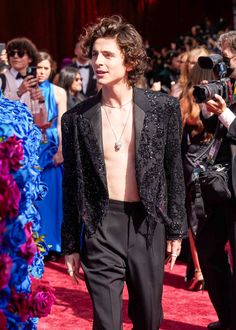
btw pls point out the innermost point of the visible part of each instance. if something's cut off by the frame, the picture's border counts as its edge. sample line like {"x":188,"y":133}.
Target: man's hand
{"x":72,"y":262}
{"x":35,"y":93}
{"x":216,"y":106}
{"x":27,"y":84}
{"x":173,"y":251}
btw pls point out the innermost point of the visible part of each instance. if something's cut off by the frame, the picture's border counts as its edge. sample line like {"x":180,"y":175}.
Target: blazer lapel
{"x":233,"y":152}
{"x":95,"y":118}
{"x":93,"y":138}
{"x":141,"y":105}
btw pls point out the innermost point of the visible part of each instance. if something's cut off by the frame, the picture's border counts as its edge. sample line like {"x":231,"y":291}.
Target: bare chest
{"x":117,"y":132}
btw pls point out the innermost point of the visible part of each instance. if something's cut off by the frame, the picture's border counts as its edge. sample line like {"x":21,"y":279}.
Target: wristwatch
{"x":18,"y":93}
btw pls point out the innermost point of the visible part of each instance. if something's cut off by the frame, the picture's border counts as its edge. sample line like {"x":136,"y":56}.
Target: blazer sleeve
{"x":177,"y":226}
{"x":232,"y":129}
{"x":70,"y":223}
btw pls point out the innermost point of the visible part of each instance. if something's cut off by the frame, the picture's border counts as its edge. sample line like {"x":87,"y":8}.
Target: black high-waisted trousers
{"x":118,"y":253}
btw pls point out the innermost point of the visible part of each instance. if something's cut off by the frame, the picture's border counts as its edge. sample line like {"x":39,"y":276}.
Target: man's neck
{"x":82,"y":61}
{"x":117,"y":96}
{"x":22,"y":72}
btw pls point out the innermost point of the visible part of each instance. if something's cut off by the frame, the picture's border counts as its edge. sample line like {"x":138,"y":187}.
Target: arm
{"x":70,"y":223}
{"x":61,"y":99}
{"x":219,"y":108}
{"x":177,"y":227}
{"x":232,"y":129}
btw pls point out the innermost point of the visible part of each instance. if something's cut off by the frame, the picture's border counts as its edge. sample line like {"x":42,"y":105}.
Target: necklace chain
{"x":113,"y":107}
{"x":118,"y":143}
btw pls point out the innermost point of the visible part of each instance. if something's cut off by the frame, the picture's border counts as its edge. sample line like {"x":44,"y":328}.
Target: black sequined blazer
{"x":159,"y":174}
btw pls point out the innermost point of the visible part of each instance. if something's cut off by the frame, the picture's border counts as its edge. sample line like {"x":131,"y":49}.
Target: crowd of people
{"x":117,"y":122}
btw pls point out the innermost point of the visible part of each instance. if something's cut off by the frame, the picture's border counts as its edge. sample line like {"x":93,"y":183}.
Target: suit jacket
{"x":229,"y":140}
{"x":157,"y":123}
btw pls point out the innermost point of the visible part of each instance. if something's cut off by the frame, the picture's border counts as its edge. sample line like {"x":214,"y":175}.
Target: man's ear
{"x":129,"y":68}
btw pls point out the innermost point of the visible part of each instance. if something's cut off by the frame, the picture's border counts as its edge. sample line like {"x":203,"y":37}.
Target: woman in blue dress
{"x":50,"y":157}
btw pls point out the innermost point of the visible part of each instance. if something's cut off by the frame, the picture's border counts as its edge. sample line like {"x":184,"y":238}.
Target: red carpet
{"x":184,"y":310}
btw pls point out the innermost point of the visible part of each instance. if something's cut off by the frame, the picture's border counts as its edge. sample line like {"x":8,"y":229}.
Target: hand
{"x":216,"y":106}
{"x":156,"y":86}
{"x":27,"y":84}
{"x":173,"y":251}
{"x":58,"y":158}
{"x":72,"y":262}
{"x":40,"y":119}
{"x":35,"y":93}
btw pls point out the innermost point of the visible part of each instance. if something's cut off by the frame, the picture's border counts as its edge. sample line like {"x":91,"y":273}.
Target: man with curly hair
{"x":15,"y":83}
{"x":123,"y":182}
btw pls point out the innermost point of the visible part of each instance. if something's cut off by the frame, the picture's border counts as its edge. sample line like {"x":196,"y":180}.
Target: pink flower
{"x":3,"y":321}
{"x":29,"y":248}
{"x":42,"y":300}
{"x":12,"y":150}
{"x":5,"y":270}
{"x":9,"y":196}
{"x":4,"y":166}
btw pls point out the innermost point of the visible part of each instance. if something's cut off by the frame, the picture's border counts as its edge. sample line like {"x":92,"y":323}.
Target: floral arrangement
{"x":23,"y":296}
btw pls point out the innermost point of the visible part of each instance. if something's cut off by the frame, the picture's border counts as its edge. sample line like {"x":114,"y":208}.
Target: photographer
{"x":15,"y":83}
{"x":220,"y":225}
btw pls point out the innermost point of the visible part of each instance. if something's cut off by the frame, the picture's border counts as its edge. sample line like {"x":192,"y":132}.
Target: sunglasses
{"x":20,"y":53}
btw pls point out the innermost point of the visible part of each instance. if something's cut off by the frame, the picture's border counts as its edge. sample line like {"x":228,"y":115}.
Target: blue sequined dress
{"x":50,"y":207}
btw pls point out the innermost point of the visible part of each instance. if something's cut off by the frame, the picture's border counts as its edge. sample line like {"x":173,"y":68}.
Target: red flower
{"x":29,"y":248}
{"x":41,"y":300}
{"x":3,"y":321}
{"x":5,"y":270}
{"x":12,"y":150}
{"x":19,"y":304}
{"x":9,"y":196}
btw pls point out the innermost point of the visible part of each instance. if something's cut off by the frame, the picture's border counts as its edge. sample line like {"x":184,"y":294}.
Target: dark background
{"x":54,"y":25}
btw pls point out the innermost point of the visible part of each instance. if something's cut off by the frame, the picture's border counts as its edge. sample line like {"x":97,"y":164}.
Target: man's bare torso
{"x":120,"y":165}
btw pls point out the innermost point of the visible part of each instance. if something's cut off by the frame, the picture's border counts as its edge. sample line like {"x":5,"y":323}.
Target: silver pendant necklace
{"x":118,"y":143}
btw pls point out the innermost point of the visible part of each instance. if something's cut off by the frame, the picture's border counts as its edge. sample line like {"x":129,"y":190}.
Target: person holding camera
{"x":220,"y":224}
{"x":16,"y":83}
{"x":194,"y":135}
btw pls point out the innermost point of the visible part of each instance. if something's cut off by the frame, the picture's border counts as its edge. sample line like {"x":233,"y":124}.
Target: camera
{"x":205,"y":92}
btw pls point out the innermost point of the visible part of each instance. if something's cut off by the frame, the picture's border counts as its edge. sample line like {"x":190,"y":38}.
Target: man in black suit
{"x":220,"y":225}
{"x":89,"y":81}
{"x":123,"y":182}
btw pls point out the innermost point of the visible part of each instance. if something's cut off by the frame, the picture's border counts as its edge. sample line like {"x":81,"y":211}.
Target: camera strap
{"x":215,"y":147}
{"x":213,"y":152}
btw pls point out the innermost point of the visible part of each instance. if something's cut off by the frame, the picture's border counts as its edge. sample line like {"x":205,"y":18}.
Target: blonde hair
{"x":190,"y":110}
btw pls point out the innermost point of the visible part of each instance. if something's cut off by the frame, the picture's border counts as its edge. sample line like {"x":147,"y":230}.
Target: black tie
{"x":19,"y":76}
{"x":83,"y":66}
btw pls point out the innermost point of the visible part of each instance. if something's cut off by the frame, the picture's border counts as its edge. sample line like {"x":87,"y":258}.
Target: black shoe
{"x":52,"y":256}
{"x":217,"y":326}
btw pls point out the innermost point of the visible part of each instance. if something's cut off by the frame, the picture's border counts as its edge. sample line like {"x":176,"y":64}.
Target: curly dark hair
{"x":229,"y":38}
{"x":26,"y":45}
{"x":128,"y":39}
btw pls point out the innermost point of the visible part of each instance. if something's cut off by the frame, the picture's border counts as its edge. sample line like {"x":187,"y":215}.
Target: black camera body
{"x":205,"y":92}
